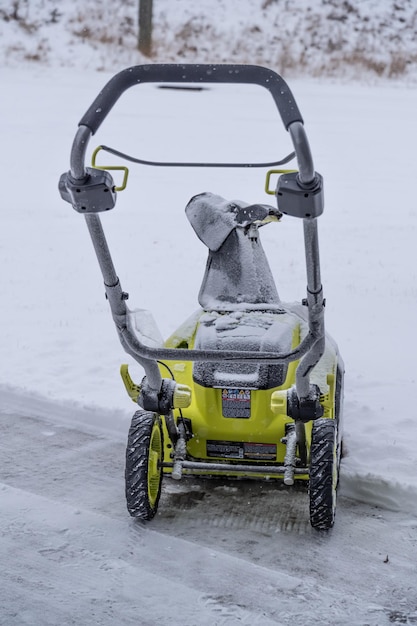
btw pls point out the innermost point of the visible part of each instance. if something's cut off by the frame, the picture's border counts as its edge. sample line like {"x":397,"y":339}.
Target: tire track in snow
{"x":253,"y":505}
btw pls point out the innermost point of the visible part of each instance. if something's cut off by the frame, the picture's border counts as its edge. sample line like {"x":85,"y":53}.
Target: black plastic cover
{"x":297,"y":200}
{"x":160,"y":402}
{"x":304,"y":409}
{"x":92,"y":195}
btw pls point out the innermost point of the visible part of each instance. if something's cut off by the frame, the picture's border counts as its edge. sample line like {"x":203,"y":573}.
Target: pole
{"x":145,"y":27}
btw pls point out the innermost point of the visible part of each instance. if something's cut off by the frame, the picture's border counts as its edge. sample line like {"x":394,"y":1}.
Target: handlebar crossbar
{"x":190,"y":73}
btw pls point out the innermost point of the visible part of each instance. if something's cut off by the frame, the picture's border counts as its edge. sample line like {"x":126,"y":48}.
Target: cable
{"x":122,"y":155}
{"x":173,"y":378}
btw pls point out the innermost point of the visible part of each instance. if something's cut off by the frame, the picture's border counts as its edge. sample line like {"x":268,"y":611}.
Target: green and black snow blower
{"x":248,"y":386}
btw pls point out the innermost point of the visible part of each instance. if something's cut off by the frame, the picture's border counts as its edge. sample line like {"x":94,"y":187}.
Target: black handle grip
{"x":175,"y":73}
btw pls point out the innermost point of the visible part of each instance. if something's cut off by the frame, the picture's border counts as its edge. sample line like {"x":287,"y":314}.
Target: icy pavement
{"x":217,"y":553}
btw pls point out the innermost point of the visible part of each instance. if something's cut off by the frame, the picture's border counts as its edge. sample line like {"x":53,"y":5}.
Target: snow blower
{"x":248,"y":386}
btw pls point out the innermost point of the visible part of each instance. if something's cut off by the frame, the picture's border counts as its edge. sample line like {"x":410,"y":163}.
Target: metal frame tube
{"x":79,"y":148}
{"x":300,"y":430}
{"x":230,"y":468}
{"x":183,"y":354}
{"x":298,"y":134}
{"x":102,"y":251}
{"x":311,"y":245}
{"x":315,"y":303}
{"x":289,"y":460}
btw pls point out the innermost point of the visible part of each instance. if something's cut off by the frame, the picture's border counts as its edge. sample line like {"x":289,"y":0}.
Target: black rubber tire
{"x":324,"y":473}
{"x":143,"y":473}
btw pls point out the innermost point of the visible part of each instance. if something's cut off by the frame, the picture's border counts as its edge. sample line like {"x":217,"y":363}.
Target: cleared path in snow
{"x":217,"y":553}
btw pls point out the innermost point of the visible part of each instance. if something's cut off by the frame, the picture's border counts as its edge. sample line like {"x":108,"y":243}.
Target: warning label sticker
{"x":225,"y":449}
{"x":236,"y":403}
{"x":242,"y":450}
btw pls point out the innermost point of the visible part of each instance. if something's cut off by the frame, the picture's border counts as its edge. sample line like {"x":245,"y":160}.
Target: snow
{"x":373,"y":39}
{"x":232,"y":553}
{"x":144,"y":327}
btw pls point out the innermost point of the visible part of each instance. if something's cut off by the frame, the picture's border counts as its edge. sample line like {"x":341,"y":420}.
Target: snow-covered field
{"x":223,"y":553}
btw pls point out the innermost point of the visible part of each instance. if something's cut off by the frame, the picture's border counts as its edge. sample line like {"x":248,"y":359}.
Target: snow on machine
{"x":248,"y":386}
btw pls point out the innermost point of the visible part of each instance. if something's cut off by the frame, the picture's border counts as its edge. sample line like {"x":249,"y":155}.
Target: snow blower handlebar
{"x":91,"y":191}
{"x":173,"y":73}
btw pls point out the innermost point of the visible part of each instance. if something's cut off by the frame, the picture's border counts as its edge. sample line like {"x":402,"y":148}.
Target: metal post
{"x":145,"y":27}
{"x":315,"y":308}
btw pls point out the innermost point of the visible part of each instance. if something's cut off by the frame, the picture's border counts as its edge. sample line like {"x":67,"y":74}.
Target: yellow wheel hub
{"x":154,"y":464}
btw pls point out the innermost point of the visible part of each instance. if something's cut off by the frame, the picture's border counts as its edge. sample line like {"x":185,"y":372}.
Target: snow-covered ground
{"x":337,"y":38}
{"x":216,"y":553}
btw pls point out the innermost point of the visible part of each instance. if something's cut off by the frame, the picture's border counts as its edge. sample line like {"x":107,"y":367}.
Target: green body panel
{"x":262,"y":428}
